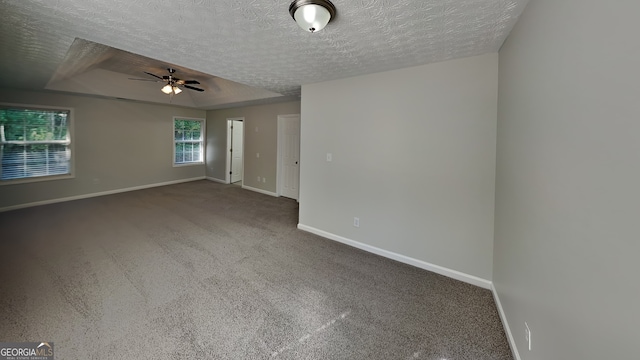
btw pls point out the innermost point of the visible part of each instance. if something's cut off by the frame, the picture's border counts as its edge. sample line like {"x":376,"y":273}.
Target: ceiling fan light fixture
{"x":167,"y":89}
{"x":312,"y":15}
{"x":176,"y":90}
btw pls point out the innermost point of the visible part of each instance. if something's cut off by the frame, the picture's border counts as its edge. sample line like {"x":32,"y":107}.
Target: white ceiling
{"x":242,"y":51}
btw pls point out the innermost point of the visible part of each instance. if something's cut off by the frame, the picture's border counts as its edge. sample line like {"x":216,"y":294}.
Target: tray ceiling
{"x":242,"y":52}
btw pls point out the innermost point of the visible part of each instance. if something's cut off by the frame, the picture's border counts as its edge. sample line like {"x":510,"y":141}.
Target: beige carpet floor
{"x":203,"y":270}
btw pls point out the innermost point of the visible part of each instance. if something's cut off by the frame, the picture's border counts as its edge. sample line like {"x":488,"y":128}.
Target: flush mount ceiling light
{"x":312,"y":15}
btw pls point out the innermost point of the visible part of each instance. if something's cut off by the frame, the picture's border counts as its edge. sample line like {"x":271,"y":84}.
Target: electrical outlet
{"x":329,"y":157}
{"x":356,"y":222}
{"x":264,"y":180}
{"x":258,"y":178}
{"x":527,"y":335}
{"x":257,"y":155}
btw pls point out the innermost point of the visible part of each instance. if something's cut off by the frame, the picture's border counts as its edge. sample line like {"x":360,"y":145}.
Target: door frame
{"x":281,"y":119}
{"x":227,"y":176}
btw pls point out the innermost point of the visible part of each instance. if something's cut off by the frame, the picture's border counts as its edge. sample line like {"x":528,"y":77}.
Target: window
{"x":35,"y":143}
{"x":188,"y":141}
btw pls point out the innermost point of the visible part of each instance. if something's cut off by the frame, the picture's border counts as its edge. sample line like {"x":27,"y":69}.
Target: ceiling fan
{"x":173,"y":85}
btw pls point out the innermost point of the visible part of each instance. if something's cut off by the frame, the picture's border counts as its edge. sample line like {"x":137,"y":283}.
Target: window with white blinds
{"x":35,"y":143}
{"x":188,"y":141}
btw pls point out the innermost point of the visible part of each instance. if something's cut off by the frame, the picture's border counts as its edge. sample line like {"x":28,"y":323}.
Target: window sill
{"x":36,"y":179}
{"x":188,"y":164}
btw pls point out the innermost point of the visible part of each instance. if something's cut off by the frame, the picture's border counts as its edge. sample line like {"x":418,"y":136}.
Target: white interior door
{"x":237,"y":136}
{"x":289,"y":143}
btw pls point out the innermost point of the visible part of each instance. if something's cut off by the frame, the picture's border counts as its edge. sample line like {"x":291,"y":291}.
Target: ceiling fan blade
{"x":186,"y":82}
{"x":154,"y":75}
{"x":193,"y":88}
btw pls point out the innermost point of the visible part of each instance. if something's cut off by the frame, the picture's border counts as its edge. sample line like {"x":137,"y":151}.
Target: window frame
{"x":70,"y":132}
{"x":203,"y":134}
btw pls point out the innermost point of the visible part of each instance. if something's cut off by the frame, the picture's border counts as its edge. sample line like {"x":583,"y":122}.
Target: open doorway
{"x":235,"y":149}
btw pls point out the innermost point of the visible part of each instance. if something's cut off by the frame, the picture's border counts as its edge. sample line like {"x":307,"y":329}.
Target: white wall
{"x":117,"y":145}
{"x":568,"y":180}
{"x":413,"y":158}
{"x":263,"y":141}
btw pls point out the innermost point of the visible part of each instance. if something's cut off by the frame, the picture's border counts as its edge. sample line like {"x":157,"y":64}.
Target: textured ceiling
{"x":232,"y":45}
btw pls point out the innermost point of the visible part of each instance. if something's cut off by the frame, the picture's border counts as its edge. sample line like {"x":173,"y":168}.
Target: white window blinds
{"x":34,"y":142}
{"x":188,"y":136}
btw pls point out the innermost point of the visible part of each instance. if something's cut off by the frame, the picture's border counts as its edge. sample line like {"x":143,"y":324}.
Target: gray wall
{"x":263,"y":141}
{"x":118,"y":144}
{"x":413,"y":158}
{"x":568,"y":174}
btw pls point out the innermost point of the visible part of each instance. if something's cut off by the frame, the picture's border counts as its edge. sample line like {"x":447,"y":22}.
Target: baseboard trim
{"x":260,"y":191}
{"x":216,"y":180}
{"x":454,"y":274}
{"x":505,"y":324}
{"x":102,"y":193}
